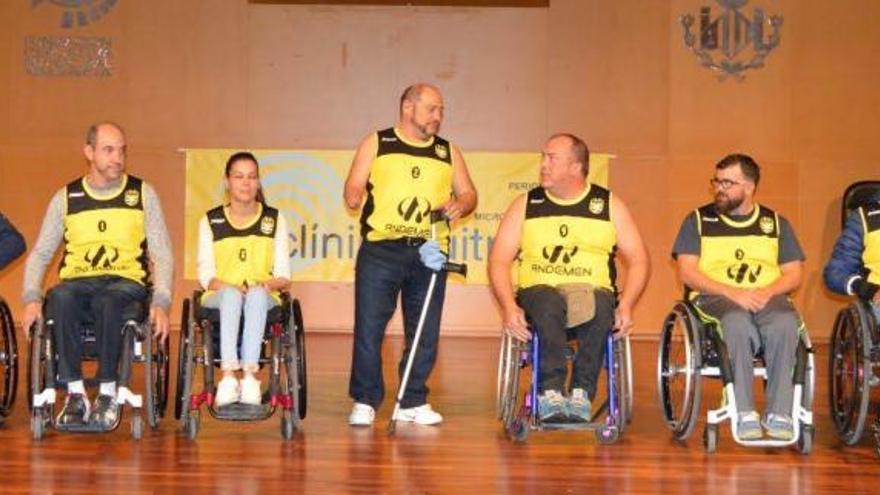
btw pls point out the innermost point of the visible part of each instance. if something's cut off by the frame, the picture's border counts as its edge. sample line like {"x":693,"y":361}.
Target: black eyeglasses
{"x":723,"y":184}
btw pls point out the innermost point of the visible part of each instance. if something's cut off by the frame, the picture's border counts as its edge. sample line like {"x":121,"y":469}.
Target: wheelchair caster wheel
{"x":607,"y":434}
{"x":38,"y":425}
{"x":518,"y":431}
{"x":805,"y":441}
{"x":192,"y":425}
{"x":710,"y":438}
{"x":137,"y":427}
{"x":287,"y":427}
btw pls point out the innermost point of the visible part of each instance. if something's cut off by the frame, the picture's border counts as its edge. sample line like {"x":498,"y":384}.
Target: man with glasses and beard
{"x":739,"y":261}
{"x":401,"y":174}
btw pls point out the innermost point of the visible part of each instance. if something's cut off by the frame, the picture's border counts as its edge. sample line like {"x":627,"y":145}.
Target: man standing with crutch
{"x":406,"y":172}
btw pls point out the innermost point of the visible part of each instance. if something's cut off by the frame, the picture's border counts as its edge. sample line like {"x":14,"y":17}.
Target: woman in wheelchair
{"x":243,"y":263}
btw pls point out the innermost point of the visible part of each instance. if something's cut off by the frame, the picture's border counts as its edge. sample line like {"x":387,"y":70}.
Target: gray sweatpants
{"x":775,"y":329}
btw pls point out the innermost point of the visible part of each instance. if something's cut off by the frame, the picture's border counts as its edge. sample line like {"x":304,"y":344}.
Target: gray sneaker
{"x":551,"y":406}
{"x":748,"y":426}
{"x":779,"y":426}
{"x":579,"y":407}
{"x":106,"y":412}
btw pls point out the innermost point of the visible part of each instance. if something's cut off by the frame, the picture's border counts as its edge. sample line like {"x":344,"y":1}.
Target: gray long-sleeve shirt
{"x":52,"y":233}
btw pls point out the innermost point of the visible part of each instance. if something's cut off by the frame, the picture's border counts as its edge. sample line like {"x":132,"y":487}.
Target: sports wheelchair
{"x":854,"y":357}
{"x":691,"y":348}
{"x":517,"y":409}
{"x":139,"y":345}
{"x":8,"y":361}
{"x":200,"y":345}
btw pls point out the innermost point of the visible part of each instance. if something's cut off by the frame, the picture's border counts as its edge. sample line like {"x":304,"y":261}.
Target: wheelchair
{"x":517,"y":409}
{"x":285,"y":358}
{"x":854,"y":357}
{"x":139,"y":346}
{"x":8,"y":361}
{"x":691,"y":348}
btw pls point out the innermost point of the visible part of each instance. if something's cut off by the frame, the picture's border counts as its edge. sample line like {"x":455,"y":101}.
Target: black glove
{"x":864,"y":289}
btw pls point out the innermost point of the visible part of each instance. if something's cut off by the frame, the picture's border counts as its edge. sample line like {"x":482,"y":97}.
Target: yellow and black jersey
{"x":743,"y":253}
{"x":568,"y":241}
{"x":105,"y":235}
{"x":243,"y":254}
{"x":870,"y":216}
{"x":407,"y":181}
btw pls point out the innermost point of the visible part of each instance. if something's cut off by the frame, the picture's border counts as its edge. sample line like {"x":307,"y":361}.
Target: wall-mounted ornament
{"x":730,"y":42}
{"x":79,"y":13}
{"x":68,"y":56}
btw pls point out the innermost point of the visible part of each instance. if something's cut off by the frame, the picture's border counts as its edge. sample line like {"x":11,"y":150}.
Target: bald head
{"x":577,"y":147}
{"x":92,"y":133}
{"x":413,"y":94}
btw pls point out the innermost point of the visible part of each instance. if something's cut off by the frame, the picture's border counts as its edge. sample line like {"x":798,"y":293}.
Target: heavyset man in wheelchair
{"x":565,"y":234}
{"x":113,"y":228}
{"x":740,"y":261}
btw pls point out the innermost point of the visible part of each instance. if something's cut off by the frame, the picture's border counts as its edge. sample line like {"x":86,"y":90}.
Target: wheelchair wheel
{"x":8,"y":360}
{"x":805,"y":440}
{"x":511,"y":399}
{"x":506,"y":358}
{"x":607,"y":434}
{"x":710,"y":438}
{"x":624,"y":383}
{"x":302,"y":369}
{"x":191,"y":424}
{"x":287,"y":424}
{"x":156,"y":378}
{"x":185,"y":365}
{"x":38,"y":364}
{"x":678,"y":371}
{"x":849,"y":367}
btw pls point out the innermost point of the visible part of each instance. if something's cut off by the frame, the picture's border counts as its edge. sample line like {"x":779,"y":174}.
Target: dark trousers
{"x":383,"y":270}
{"x":101,"y":301}
{"x":545,"y":310}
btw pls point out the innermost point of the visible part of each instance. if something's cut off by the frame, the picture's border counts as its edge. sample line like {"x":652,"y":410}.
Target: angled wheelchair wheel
{"x":156,"y":375}
{"x":299,"y":334}
{"x":39,"y":365}
{"x":185,"y":365}
{"x":623,"y":382}
{"x":510,"y":399}
{"x":849,"y":368}
{"x":8,"y":360}
{"x":678,"y":371}
{"x":502,"y":385}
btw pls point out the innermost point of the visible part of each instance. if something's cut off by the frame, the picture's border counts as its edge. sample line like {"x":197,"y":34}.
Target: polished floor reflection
{"x":467,"y":454}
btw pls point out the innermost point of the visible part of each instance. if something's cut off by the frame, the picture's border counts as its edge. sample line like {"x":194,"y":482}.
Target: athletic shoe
{"x":227,"y":391}
{"x":250,"y":391}
{"x":106,"y":412}
{"x":748,"y":427}
{"x":75,"y":411}
{"x":579,"y":407}
{"x":361,"y":415}
{"x":779,"y":426}
{"x":422,"y":415}
{"x":551,"y":406}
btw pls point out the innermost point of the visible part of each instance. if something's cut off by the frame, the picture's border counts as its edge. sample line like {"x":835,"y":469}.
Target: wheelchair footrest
{"x":582,"y":426}
{"x":83,"y":428}
{"x":243,"y":412}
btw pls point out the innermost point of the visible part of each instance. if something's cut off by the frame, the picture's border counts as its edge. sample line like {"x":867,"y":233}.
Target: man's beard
{"x":427,"y":129}
{"x":725,"y":204}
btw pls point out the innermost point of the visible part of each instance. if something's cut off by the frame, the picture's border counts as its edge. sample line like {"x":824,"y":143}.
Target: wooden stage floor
{"x":467,"y":454}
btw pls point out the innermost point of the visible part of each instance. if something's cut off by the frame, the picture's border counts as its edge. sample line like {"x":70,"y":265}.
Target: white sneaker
{"x":422,"y":415}
{"x":250,"y":391}
{"x":361,"y":415}
{"x":227,"y":391}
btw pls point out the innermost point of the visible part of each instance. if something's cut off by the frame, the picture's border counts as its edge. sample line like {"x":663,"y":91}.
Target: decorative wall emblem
{"x":730,"y":42}
{"x":79,"y":13}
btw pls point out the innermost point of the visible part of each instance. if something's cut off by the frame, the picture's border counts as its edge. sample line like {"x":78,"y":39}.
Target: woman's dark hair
{"x":246,"y":155}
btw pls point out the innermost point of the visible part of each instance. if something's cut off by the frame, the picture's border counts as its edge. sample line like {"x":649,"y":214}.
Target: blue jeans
{"x":101,"y":301}
{"x":383,"y":270}
{"x":229,"y":301}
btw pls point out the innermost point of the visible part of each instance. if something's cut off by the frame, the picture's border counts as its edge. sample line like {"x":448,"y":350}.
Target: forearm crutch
{"x":461,"y":268}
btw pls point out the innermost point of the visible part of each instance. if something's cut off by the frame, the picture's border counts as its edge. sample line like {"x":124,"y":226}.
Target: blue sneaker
{"x":748,"y":426}
{"x":779,"y":426}
{"x":551,"y":406}
{"x":579,"y":407}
